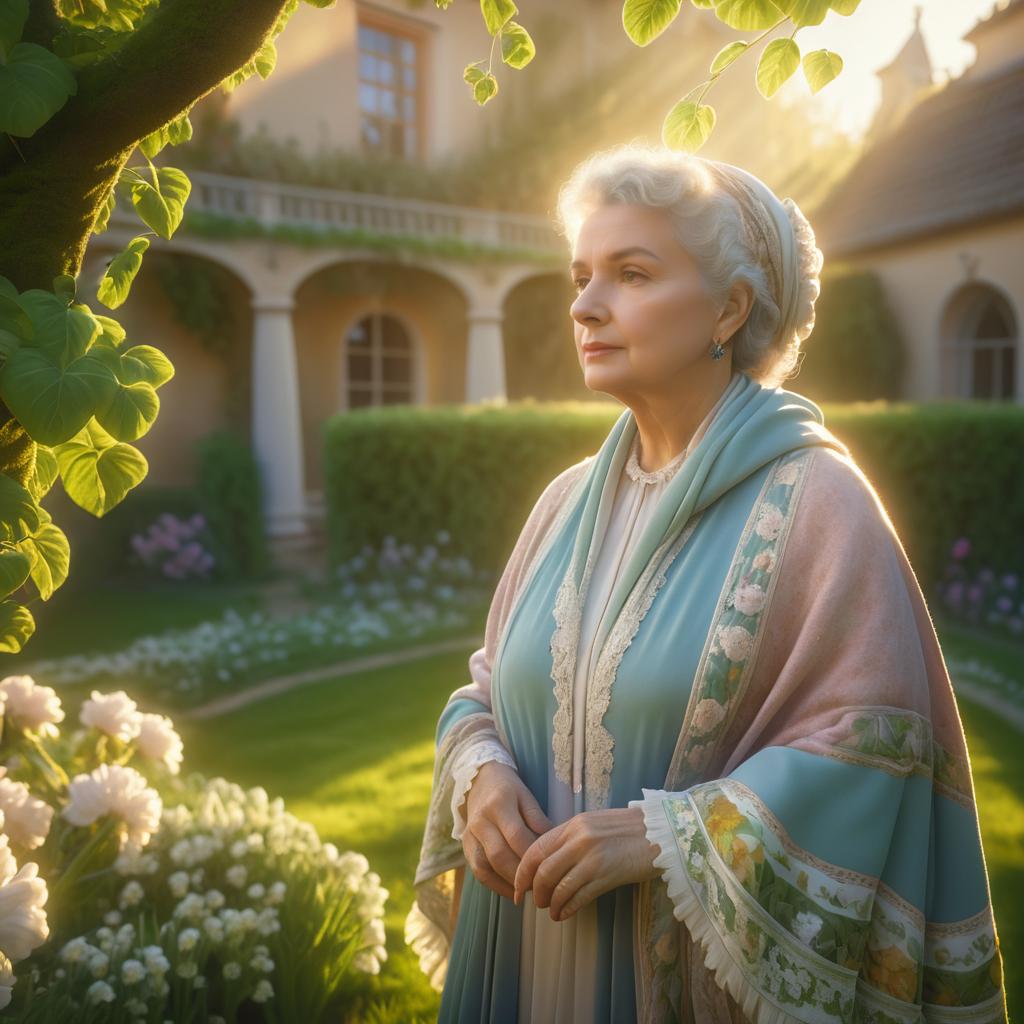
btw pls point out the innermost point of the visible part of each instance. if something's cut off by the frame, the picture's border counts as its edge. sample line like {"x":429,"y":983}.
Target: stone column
{"x":485,"y":356}
{"x":276,"y":423}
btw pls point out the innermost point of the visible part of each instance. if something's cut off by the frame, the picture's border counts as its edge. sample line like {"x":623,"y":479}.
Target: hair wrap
{"x":770,"y":233}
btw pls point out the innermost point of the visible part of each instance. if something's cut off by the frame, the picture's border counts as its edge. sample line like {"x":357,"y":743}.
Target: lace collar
{"x":643,"y":476}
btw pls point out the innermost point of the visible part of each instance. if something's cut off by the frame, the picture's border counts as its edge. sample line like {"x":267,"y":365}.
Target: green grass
{"x":355,"y":757}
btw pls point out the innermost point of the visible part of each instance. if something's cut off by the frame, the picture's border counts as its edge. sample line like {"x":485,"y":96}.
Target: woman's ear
{"x":735,"y":311}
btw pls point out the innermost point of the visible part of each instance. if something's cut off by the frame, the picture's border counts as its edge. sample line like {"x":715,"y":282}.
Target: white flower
{"x":787,"y":474}
{"x":806,"y":926}
{"x":214,"y":899}
{"x":232,"y":970}
{"x":178,"y":884}
{"x":764,"y":560}
{"x":76,"y":950}
{"x":32,"y":707}
{"x":749,"y":598}
{"x":156,"y":960}
{"x":158,"y":741}
{"x":115,"y":714}
{"x":7,"y":980}
{"x":99,"y":962}
{"x":119,"y":791}
{"x":276,"y":893}
{"x":131,"y":894}
{"x":263,"y":991}
{"x":26,"y":819}
{"x":133,"y":971}
{"x":707,"y":714}
{"x":112,"y":918}
{"x":214,"y":928}
{"x":99,"y":992}
{"x":736,"y":642}
{"x":23,"y":895}
{"x":188,"y":939}
{"x":256,"y":891}
{"x":236,"y":875}
{"x":770,"y":521}
{"x":187,"y":969}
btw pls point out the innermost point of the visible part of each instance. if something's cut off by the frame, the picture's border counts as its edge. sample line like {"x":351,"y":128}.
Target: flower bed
{"x":375,"y":601}
{"x":145,"y":897}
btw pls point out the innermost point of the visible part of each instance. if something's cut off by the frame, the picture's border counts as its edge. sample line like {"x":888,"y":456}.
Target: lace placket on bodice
{"x":638,"y":493}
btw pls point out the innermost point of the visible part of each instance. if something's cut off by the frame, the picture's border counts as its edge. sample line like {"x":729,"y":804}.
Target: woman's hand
{"x":584,"y":857}
{"x":503,"y":819}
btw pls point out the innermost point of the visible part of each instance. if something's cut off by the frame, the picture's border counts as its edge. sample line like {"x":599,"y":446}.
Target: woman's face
{"x":639,"y":291}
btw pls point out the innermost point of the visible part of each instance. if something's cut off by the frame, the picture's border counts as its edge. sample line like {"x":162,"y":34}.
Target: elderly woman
{"x":709,"y":765}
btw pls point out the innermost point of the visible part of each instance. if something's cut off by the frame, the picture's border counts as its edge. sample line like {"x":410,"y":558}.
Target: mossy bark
{"x":52,"y":184}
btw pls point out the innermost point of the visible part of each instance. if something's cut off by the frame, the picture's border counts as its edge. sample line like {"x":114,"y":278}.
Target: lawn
{"x":360,"y":767}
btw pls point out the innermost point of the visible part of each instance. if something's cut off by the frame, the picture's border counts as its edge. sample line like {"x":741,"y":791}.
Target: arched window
{"x":982,"y":345}
{"x":379,"y":362}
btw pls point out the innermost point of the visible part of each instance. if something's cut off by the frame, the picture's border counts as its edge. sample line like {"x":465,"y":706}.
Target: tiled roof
{"x":956,"y":159}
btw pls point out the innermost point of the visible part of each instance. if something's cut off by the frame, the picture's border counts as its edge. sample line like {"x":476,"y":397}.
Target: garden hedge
{"x":943,"y":470}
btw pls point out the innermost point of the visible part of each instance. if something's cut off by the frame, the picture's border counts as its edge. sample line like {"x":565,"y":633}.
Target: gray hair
{"x":708,"y":222}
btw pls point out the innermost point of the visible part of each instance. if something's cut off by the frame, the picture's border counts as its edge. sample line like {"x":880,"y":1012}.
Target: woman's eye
{"x":580,"y":283}
{"x":634,"y":273}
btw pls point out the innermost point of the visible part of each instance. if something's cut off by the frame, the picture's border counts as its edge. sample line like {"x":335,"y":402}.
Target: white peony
{"x":736,"y":642}
{"x":31,"y":707}
{"x":770,"y":521}
{"x":119,"y":791}
{"x":158,"y":741}
{"x":26,"y":819}
{"x":6,"y":981}
{"x":115,"y":714}
{"x":23,"y":896}
{"x":707,"y":714}
{"x":806,"y":926}
{"x":749,"y":598}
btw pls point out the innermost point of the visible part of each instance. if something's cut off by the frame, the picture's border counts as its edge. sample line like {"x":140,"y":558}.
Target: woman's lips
{"x":591,"y":349}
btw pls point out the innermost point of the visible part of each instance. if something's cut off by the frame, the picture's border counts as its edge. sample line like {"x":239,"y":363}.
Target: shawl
{"x":818,"y":844}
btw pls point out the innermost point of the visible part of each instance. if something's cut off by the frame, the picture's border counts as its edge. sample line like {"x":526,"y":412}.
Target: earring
{"x":718,"y":350}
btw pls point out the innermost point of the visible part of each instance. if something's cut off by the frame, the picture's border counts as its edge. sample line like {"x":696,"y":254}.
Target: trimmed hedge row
{"x":943,"y":470}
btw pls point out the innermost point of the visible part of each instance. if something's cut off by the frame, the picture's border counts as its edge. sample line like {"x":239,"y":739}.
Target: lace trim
{"x":599,"y":756}
{"x":654,"y":476}
{"x":465,"y":769}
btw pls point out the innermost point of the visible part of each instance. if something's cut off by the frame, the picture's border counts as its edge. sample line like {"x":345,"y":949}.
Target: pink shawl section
{"x":842,"y":662}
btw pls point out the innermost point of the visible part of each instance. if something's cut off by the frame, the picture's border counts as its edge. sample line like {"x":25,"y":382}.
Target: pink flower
{"x":961,"y":548}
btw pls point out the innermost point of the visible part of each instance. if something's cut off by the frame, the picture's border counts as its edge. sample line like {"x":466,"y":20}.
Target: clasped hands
{"x":512,"y":847}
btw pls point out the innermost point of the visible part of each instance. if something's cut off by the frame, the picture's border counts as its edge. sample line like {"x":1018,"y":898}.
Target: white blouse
{"x":558,"y":959}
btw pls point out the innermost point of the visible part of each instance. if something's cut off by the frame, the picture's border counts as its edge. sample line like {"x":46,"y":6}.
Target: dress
{"x":749,"y":660}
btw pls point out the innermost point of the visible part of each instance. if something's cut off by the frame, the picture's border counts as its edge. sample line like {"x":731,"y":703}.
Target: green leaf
{"x":473,"y":72}
{"x":34,"y":85}
{"x":727,"y":54}
{"x":688,"y":125}
{"x":779,"y":59}
{"x":748,"y":14}
{"x":132,"y":412}
{"x":117,"y":278}
{"x":144,"y":364}
{"x":704,"y":5}
{"x":16,"y":626}
{"x":53,"y":384}
{"x":64,"y":288}
{"x":179,"y":130}
{"x":111,"y":332}
{"x":162,"y":203}
{"x":97,"y":471}
{"x":820,"y":67}
{"x":19,"y":513}
{"x":50,"y":556}
{"x":485,"y":88}
{"x":104,"y":213}
{"x":496,"y":13}
{"x":844,"y":7}
{"x":645,"y":20}
{"x":12,"y":20}
{"x":804,"y":12}
{"x":44,"y":472}
{"x":517,"y":49}
{"x":265,"y":59}
{"x":14,"y":569}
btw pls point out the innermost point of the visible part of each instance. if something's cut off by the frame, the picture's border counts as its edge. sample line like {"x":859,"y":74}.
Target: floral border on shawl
{"x":897,"y":741}
{"x":796,"y":952}
{"x":725,"y":665}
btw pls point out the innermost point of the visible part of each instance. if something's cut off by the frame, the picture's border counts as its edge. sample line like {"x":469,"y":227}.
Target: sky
{"x":871,"y":37}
